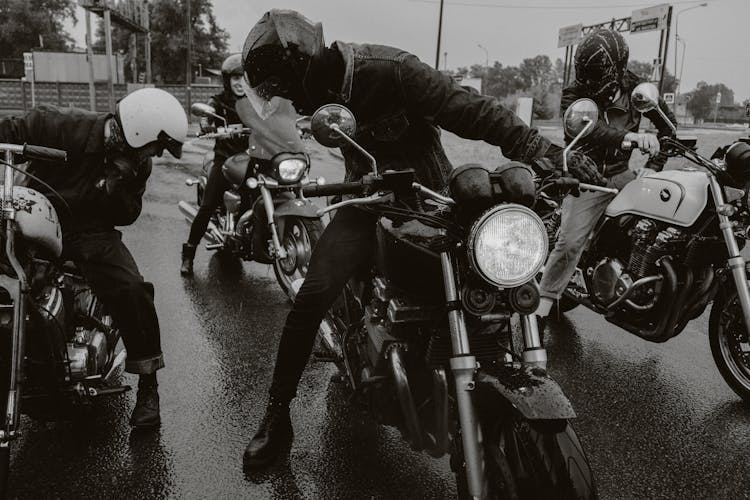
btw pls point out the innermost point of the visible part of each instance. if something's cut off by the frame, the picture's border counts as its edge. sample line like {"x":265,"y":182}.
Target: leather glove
{"x":206,"y":126}
{"x":580,"y":166}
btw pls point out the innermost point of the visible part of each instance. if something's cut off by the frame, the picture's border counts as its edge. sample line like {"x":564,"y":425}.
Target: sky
{"x":716,"y":36}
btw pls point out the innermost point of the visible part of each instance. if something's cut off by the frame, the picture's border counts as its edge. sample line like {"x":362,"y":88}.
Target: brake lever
{"x":369,"y":200}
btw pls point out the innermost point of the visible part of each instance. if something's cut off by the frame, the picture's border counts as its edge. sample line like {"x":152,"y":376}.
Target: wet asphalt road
{"x":656,"y":420}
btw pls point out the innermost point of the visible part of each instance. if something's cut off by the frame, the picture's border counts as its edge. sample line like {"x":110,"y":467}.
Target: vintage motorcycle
{"x":59,"y":347}
{"x":426,"y":339}
{"x":669,"y":244}
{"x":264,"y":217}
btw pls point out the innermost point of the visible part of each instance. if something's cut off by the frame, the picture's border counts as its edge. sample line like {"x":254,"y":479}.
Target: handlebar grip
{"x":45,"y":154}
{"x":628,"y":145}
{"x":333,"y":189}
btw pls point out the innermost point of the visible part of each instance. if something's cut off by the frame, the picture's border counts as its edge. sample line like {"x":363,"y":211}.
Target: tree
{"x":702,"y":101}
{"x":646,"y":71}
{"x":168,"y":39}
{"x":537,"y":71}
{"x":23,"y":22}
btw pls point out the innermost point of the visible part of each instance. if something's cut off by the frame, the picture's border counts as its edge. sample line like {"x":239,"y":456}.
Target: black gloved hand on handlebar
{"x":580,"y":166}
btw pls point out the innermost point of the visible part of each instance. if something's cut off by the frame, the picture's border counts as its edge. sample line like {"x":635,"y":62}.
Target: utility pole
{"x":108,"y":46}
{"x":189,"y":68}
{"x":90,"y":57}
{"x":440,"y":30}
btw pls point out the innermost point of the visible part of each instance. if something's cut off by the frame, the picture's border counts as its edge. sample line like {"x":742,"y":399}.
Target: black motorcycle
{"x":428,"y":338}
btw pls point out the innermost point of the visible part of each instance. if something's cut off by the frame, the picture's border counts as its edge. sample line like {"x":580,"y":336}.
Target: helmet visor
{"x":174,"y":147}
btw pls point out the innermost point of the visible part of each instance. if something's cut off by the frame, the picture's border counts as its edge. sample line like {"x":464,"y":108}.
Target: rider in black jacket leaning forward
{"x":103,"y":181}
{"x":399,"y":103}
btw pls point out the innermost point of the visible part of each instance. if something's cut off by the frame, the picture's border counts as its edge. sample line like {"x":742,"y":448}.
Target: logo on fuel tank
{"x":665,"y":195}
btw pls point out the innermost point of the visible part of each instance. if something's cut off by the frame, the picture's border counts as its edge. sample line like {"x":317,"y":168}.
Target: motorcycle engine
{"x":649,"y":245}
{"x":93,"y":338}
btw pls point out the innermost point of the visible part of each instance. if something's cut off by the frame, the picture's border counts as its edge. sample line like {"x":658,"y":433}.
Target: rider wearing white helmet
{"x":102,"y":184}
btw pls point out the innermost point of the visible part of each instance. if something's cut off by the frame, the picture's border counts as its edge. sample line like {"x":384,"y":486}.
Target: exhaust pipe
{"x":327,"y":334}
{"x":408,"y":408}
{"x":212,"y":234}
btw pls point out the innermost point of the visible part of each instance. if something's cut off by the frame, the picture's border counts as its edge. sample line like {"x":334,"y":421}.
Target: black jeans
{"x":212,"y":196}
{"x":344,"y":248}
{"x":108,"y":267}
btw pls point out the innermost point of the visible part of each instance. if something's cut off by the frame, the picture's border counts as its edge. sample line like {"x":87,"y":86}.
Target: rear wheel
{"x":730,"y":343}
{"x":300,"y":237}
{"x":534,"y":460}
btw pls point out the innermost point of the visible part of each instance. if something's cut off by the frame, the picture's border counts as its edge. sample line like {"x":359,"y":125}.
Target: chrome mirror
{"x":578,"y":121}
{"x":332,"y":125}
{"x":645,"y":98}
{"x":580,"y":117}
{"x":206,"y":111}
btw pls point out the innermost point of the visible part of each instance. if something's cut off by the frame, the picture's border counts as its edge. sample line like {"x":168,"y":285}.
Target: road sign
{"x":649,"y":19}
{"x":570,"y":35}
{"x":718,"y":97}
{"x":669,"y":98}
{"x":28,"y":61}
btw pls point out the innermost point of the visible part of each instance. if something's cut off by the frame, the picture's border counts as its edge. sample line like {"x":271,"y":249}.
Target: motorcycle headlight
{"x":291,"y":170}
{"x":507,"y":245}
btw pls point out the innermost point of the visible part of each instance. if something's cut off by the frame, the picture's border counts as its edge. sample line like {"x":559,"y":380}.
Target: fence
{"x":15,"y":95}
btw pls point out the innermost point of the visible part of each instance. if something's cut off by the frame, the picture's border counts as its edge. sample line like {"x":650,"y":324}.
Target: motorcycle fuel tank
{"x":674,"y":196}
{"x":37,"y":220}
{"x":235,"y":168}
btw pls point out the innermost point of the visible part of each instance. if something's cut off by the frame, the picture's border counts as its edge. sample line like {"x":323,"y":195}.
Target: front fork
{"x":17,"y":288}
{"x":464,"y":366}
{"x":268,"y":204}
{"x":736,"y":262}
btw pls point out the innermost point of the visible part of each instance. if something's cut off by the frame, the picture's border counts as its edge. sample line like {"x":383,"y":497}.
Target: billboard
{"x":649,"y":19}
{"x":74,"y":67}
{"x":570,"y":35}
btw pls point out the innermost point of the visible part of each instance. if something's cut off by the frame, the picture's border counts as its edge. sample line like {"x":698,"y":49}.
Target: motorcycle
{"x":264,"y":217}
{"x":668,"y":245}
{"x":59,"y":348}
{"x":427,"y":339}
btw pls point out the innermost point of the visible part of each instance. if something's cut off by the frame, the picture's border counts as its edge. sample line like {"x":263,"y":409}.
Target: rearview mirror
{"x":645,"y":98}
{"x":578,"y":121}
{"x":204,"y":110}
{"x":580,"y":118}
{"x":332,"y":125}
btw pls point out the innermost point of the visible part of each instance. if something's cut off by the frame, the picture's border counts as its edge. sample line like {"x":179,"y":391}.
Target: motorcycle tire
{"x":726,"y":333}
{"x":299,"y":233}
{"x":533,"y":460}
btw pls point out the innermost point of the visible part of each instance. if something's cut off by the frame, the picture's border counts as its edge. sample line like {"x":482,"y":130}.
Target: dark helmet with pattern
{"x":277,"y":54}
{"x":601,"y":60}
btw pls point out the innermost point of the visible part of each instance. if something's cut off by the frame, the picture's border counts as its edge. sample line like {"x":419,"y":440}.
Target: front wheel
{"x":533,"y":460}
{"x":730,"y":344}
{"x":300,"y":237}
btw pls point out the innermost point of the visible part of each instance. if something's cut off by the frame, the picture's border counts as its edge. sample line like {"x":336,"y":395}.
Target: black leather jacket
{"x":81,"y":134}
{"x":603,"y":144}
{"x":224,"y":105}
{"x":400,"y":104}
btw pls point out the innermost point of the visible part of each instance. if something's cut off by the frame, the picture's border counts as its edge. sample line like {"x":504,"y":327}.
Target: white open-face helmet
{"x":153,"y":115}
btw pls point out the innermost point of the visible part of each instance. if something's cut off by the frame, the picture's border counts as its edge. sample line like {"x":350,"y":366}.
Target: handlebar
{"x":333,"y":189}
{"x":45,"y":154}
{"x":628,"y":145}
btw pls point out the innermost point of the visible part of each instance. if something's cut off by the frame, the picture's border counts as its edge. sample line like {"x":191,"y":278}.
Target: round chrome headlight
{"x":292,"y":169}
{"x":508,"y":245}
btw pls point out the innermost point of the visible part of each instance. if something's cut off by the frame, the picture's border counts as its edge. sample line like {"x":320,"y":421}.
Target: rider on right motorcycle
{"x":399,"y":103}
{"x":601,"y":62}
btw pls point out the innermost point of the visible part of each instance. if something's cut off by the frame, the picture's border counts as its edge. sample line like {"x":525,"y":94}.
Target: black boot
{"x":273,"y":436}
{"x":188,"y":253}
{"x":146,"y":411}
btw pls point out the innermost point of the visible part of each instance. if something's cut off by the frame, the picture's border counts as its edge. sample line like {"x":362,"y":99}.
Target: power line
{"x":552,"y":7}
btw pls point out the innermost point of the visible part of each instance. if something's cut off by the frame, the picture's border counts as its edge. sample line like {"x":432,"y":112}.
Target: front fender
{"x":296,"y":207}
{"x":528,"y":388}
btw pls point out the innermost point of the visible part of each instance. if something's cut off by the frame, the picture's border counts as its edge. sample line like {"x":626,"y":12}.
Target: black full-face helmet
{"x":277,"y":55}
{"x":601,"y":60}
{"x":232,"y":66}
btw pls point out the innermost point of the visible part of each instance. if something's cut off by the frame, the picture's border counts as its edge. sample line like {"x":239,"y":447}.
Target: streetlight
{"x":486,"y":67}
{"x":678,"y":39}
